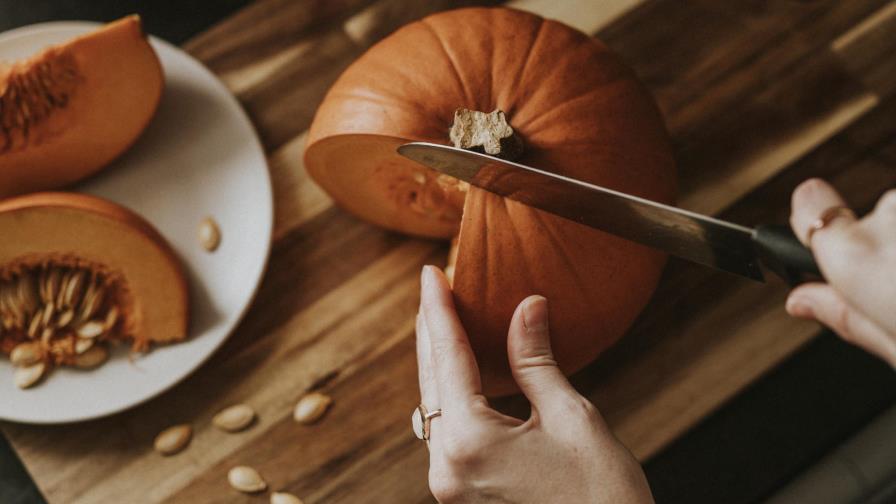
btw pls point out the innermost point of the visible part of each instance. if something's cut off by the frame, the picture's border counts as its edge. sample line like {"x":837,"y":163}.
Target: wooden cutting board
{"x":758,"y":96}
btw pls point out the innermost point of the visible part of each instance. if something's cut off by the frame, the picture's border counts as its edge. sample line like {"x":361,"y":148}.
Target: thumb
{"x":531,"y":359}
{"x":821,"y":302}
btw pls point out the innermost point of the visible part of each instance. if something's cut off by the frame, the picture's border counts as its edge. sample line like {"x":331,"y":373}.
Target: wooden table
{"x":758,"y":96}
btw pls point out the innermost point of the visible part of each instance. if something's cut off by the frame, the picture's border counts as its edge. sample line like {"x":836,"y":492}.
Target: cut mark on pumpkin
{"x":30,"y":92}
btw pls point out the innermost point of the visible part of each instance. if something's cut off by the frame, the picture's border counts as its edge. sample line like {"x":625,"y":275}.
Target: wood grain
{"x":758,"y":96}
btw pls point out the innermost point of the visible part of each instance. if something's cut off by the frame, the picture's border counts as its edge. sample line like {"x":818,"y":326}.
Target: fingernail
{"x":798,"y":307}
{"x":425,"y":275}
{"x":535,"y":314}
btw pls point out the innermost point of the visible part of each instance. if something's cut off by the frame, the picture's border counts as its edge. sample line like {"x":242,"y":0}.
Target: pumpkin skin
{"x":70,"y":110}
{"x":76,"y":229}
{"x":580,"y":112}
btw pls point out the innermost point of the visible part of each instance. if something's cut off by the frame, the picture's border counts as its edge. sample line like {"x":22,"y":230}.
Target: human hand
{"x":563,"y":453}
{"x":858,"y":260}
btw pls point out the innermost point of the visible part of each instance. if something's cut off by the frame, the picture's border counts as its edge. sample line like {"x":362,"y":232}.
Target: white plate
{"x":199,"y":157}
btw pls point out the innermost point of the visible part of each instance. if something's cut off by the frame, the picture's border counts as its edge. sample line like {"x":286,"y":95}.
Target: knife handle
{"x":783,"y":253}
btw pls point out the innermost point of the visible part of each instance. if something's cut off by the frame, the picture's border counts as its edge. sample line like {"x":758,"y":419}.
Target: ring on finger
{"x":421,"y":419}
{"x":826,"y":217}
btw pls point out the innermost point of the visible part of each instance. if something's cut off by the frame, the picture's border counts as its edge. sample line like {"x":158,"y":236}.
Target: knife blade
{"x":699,"y":238}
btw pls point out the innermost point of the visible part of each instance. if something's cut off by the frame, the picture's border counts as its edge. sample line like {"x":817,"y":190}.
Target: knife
{"x":699,"y":238}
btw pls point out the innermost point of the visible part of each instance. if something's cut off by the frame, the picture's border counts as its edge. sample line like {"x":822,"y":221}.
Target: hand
{"x":858,"y":259}
{"x":563,"y":453}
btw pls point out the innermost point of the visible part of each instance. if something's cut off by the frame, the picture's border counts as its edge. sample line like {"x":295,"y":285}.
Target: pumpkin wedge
{"x":73,"y":108}
{"x":78,"y":272}
{"x":576,"y":109}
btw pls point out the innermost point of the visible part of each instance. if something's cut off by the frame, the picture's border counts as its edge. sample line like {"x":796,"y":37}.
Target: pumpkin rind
{"x":72,"y":109}
{"x":580,"y":113}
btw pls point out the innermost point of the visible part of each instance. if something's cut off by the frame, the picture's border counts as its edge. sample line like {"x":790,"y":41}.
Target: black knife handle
{"x":782,"y":252}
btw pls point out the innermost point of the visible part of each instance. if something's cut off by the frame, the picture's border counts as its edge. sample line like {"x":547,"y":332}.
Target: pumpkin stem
{"x":485,"y":132}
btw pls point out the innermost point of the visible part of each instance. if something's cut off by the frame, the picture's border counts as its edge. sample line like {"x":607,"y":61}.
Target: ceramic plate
{"x":199,"y":157}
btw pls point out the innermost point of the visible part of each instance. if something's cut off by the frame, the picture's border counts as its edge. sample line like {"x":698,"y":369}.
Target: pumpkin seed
{"x":173,"y":439}
{"x":92,"y":357}
{"x":13,"y":307}
{"x":42,"y":284}
{"x":74,"y":288}
{"x":25,"y":354}
{"x":235,"y":418}
{"x":34,"y":325}
{"x":311,"y":408}
{"x":92,"y":301}
{"x":26,"y":294}
{"x":63,"y":286}
{"x":65,"y":318}
{"x":246,"y":479}
{"x":27,"y":376}
{"x":46,"y":336}
{"x":82,"y":345}
{"x":111,"y":318}
{"x":285,"y":498}
{"x":209,"y":234}
{"x":91,"y":329}
{"x":47,"y":317}
{"x":53,"y":281}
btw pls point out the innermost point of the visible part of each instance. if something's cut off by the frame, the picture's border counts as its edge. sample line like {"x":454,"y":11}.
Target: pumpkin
{"x":72,"y":109}
{"x":579,"y":112}
{"x":77,"y":270}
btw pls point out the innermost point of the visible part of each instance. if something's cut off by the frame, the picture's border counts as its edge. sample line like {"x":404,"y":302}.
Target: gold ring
{"x":826,"y":218}
{"x":420,"y":420}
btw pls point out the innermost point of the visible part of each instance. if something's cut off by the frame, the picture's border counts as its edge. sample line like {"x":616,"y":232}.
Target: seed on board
{"x":25,"y":354}
{"x":27,"y":376}
{"x":209,"y":234}
{"x":285,"y":498}
{"x":173,"y":439}
{"x":311,"y":408}
{"x":91,"y":357}
{"x":235,"y":418}
{"x":245,"y":479}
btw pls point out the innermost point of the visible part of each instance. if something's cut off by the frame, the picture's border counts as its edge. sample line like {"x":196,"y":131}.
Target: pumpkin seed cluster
{"x":55,"y":315}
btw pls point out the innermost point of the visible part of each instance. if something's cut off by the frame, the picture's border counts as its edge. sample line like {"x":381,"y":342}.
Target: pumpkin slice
{"x":577,"y":110}
{"x":72,"y":109}
{"x":77,"y":272}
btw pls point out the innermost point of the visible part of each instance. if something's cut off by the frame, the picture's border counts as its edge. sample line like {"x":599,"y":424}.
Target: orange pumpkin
{"x":72,"y":109}
{"x":580,"y":112}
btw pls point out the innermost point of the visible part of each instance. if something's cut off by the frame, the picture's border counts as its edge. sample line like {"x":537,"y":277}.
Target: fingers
{"x":532,"y":361}
{"x":810,"y":200}
{"x":454,"y":367}
{"x":429,"y":396}
{"x":821,"y":302}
